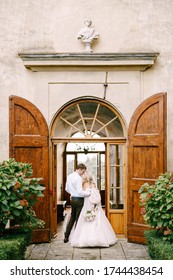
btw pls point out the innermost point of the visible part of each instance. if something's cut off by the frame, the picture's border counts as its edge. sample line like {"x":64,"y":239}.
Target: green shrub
{"x":13,"y":243}
{"x":19,"y":191}
{"x":156,"y":202}
{"x":158,"y":248}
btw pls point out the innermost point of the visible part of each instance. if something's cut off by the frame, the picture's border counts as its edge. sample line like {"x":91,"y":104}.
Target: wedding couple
{"x":88,"y":225}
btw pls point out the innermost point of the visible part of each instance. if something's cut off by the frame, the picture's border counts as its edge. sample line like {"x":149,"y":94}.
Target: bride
{"x":93,"y":228}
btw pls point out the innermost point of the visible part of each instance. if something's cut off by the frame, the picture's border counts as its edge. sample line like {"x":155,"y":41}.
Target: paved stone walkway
{"x":57,"y":250}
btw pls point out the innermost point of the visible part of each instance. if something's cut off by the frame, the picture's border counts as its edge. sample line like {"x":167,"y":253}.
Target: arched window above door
{"x":90,"y":118}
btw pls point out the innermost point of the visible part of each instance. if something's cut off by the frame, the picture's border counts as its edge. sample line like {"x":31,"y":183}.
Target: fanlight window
{"x":89,"y":119}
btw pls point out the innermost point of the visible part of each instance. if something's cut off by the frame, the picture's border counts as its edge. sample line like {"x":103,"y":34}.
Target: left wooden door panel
{"x":29,"y":143}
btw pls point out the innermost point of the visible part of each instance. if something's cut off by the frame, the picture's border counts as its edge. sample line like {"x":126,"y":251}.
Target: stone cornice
{"x":54,"y":61}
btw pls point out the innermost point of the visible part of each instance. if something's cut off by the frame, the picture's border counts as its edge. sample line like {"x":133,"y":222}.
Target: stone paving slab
{"x":57,"y":250}
{"x":86,"y":254}
{"x":114,"y":252}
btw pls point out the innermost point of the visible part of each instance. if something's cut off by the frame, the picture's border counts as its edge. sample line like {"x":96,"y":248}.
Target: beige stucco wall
{"x":46,"y":26}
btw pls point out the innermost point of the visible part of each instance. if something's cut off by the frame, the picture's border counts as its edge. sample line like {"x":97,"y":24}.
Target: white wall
{"x":46,"y":26}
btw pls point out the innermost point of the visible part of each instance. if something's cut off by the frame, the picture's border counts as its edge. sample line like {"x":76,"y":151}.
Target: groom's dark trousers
{"x":76,"y":207}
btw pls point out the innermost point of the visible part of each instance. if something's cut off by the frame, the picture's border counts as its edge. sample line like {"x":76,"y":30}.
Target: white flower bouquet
{"x":90,"y":215}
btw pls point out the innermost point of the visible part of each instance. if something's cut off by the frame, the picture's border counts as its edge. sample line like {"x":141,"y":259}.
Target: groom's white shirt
{"x":74,"y":185}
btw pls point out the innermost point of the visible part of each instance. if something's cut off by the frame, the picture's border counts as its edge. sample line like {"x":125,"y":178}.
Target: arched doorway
{"x":29,"y":142}
{"x":92,"y":131}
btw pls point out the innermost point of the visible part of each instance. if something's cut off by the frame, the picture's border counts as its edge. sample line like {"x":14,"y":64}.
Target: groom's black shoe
{"x":66,"y":240}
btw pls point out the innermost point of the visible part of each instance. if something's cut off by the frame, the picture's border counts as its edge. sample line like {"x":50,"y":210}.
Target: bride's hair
{"x":89,"y":179}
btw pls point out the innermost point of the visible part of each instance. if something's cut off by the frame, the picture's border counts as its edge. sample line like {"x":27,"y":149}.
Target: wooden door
{"x":29,"y":144}
{"x":146,"y":157}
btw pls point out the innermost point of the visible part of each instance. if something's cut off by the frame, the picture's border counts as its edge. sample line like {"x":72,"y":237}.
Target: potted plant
{"x":156,"y":201}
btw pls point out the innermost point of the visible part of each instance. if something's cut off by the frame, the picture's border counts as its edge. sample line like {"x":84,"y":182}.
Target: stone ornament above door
{"x":87,"y":35}
{"x":97,"y":61}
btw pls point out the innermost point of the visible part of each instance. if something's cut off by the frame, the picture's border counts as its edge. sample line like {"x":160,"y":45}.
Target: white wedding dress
{"x":97,"y":232}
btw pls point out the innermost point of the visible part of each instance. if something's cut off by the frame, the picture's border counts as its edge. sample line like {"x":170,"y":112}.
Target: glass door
{"x":116,"y":188}
{"x":95,"y":162}
{"x":116,"y":179}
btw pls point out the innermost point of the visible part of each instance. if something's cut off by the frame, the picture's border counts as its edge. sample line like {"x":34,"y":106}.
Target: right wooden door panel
{"x":146,"y":157}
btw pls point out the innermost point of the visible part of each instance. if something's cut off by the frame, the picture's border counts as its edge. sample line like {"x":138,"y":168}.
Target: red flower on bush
{"x":17,"y":185}
{"x":167,"y":232}
{"x":149,"y":195}
{"x":24,"y":202}
{"x":143,"y":211}
{"x":171,"y":179}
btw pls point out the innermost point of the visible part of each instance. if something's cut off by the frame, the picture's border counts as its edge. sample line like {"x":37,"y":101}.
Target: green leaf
{"x":165,"y":216}
{"x":169,"y":206}
{"x":5,"y":221}
{"x":4,"y":207}
{"x":16,"y":212}
{"x":8,"y":192}
{"x":169,"y":200}
{"x":16,"y":203}
{"x":143,"y":187}
{"x":40,"y":188}
{"x":19,"y":207}
{"x":4,"y":201}
{"x":158,"y":198}
{"x":160,"y":223}
{"x":41,"y":195}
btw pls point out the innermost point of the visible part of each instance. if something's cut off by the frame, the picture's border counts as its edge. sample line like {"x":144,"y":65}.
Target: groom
{"x":74,"y":188}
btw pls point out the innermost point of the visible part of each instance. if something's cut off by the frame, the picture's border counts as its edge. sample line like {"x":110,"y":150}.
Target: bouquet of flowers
{"x":90,"y":215}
